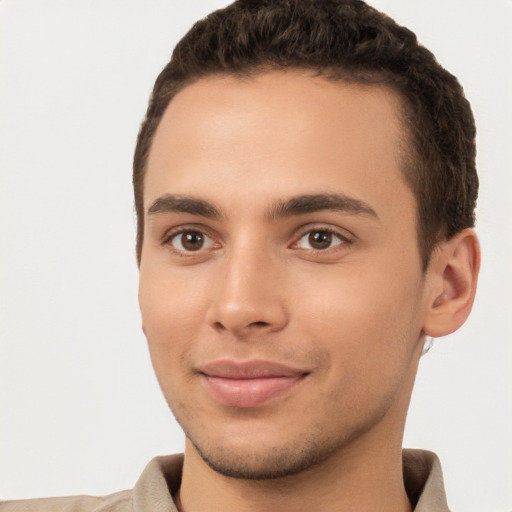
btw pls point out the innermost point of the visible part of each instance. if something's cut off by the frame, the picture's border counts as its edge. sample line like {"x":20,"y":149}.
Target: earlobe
{"x":453,"y":274}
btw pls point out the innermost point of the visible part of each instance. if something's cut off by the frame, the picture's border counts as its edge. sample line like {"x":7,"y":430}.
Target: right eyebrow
{"x":185,"y":204}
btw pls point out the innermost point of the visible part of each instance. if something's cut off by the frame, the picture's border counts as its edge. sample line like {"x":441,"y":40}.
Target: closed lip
{"x":254,"y":369}
{"x":249,"y":384}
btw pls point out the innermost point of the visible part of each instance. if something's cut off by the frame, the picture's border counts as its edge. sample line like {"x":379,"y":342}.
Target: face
{"x":281,"y":287}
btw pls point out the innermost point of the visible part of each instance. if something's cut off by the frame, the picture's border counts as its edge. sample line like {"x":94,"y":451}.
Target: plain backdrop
{"x":80,"y":409}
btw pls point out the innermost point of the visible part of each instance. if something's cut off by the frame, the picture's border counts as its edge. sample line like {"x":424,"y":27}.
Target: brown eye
{"x":190,"y":241}
{"x":320,"y":240}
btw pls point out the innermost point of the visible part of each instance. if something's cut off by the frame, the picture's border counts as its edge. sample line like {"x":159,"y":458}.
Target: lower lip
{"x":249,"y":392}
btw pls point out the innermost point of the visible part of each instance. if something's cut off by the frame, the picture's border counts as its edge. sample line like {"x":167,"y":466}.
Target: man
{"x":305,"y":190}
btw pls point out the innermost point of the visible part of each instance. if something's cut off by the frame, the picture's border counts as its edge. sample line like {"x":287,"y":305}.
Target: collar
{"x":423,"y":481}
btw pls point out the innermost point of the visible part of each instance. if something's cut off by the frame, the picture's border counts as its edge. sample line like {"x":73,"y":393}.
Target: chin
{"x":257,"y":462}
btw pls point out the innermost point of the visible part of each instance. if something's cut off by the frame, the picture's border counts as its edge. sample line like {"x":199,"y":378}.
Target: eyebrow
{"x":317,"y":202}
{"x":298,"y":205}
{"x":184,"y":204}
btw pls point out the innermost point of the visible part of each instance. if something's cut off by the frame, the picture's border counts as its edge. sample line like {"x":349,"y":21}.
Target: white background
{"x":80,"y":409}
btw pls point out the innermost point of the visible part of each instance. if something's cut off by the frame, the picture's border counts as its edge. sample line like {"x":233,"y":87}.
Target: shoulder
{"x":153,"y":491}
{"x":117,"y":502}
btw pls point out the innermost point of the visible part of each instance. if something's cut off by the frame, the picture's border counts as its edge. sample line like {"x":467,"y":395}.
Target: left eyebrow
{"x":317,"y":202}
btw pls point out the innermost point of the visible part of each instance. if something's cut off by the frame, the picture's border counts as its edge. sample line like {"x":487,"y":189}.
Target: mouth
{"x":249,"y":383}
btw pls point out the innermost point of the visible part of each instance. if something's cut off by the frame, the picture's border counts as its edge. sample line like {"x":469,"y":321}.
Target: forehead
{"x":279,"y":134}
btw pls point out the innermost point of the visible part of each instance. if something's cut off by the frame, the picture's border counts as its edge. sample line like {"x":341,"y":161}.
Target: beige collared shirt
{"x":162,"y":476}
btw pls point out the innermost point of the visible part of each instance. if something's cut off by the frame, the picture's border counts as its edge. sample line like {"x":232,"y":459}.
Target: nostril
{"x":260,"y":324}
{"x":218,"y":326}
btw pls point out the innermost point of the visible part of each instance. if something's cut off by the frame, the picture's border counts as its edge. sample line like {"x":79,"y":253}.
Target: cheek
{"x":171,"y":312}
{"x":169,"y":301}
{"x":369,"y":335}
{"x":366,"y":320}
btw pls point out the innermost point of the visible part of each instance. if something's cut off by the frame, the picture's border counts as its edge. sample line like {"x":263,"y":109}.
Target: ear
{"x":452,"y":276}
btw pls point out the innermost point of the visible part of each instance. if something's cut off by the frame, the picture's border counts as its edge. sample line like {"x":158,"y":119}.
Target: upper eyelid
{"x":331,"y":232}
{"x":296,"y":235}
{"x":183,"y":228}
{"x":344,"y":241}
{"x":171,"y":234}
{"x":341,"y":232}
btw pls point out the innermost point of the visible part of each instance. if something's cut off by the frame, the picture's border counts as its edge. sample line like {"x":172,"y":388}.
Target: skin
{"x":350,"y":314}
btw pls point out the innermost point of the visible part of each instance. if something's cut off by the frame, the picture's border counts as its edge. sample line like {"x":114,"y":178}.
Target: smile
{"x":249,"y":384}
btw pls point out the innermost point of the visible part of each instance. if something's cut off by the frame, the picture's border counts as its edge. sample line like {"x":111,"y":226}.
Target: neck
{"x":345,"y":482}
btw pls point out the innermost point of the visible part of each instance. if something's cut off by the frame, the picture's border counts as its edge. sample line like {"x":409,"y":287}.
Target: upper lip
{"x":254,"y":369}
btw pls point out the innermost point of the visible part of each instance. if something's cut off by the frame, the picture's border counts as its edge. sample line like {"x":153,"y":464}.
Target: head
{"x":341,"y":41}
{"x":305,"y":186}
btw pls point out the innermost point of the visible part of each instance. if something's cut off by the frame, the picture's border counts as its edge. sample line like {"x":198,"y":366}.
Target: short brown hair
{"x":340,"y":40}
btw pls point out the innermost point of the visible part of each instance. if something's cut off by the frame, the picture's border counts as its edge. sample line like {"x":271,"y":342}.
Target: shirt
{"x":162,"y":478}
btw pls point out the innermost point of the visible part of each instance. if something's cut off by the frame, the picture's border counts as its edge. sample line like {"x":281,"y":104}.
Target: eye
{"x":189,"y":241}
{"x":320,"y":240}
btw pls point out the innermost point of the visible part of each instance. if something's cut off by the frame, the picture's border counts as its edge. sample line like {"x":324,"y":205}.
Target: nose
{"x":249,"y":295}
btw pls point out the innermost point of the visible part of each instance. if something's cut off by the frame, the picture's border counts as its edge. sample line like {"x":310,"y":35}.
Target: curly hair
{"x":344,"y":40}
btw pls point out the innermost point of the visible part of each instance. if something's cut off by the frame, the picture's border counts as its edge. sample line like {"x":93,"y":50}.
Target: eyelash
{"x":170,"y":236}
{"x":345,"y":240}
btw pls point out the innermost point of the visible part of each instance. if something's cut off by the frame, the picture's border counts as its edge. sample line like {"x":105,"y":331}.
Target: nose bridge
{"x":248,"y":295}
